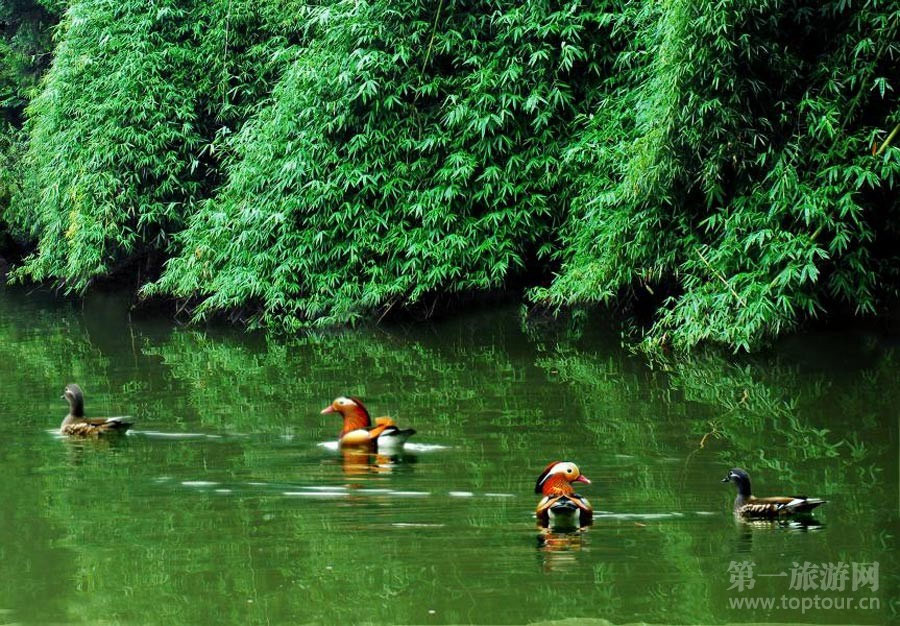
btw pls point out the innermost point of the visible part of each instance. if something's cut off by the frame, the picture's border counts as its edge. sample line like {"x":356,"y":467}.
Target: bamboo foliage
{"x":728,"y":166}
{"x":407,"y":151}
{"x":122,"y":137}
{"x":744,"y":185}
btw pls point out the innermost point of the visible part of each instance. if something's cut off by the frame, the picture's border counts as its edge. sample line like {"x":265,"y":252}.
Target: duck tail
{"x":118,"y":423}
{"x":394,"y":437}
{"x":805,"y":505}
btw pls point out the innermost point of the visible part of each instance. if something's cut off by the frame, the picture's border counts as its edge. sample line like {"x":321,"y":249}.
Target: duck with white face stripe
{"x":561,"y":507}
{"x":359,"y":431}
{"x":748,"y":506}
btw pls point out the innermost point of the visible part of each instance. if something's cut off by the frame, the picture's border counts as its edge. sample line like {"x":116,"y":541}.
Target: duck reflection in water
{"x":78,"y":447}
{"x":748,"y":528}
{"x":559,"y":549}
{"x":361,"y":462}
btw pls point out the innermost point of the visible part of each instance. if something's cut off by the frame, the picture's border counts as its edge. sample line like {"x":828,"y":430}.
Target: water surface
{"x":227,"y":505}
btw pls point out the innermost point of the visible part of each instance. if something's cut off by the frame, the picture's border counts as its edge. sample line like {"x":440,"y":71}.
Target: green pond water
{"x":226,"y":505}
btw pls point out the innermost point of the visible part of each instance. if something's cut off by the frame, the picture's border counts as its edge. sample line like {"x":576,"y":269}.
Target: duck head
{"x":558,"y":476}
{"x":75,"y":398}
{"x":352,"y":410}
{"x":741,"y":479}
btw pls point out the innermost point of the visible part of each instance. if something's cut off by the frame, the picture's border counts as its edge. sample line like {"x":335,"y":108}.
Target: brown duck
{"x":78,"y":425}
{"x":749,"y":506}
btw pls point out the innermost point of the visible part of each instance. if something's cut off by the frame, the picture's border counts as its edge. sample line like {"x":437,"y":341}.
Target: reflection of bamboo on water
{"x":715,"y":433}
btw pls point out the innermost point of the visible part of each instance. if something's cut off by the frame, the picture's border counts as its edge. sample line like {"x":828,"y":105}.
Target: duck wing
{"x":97,"y":426}
{"x":544,"y":506}
{"x":106,"y":421}
{"x":587,"y":511}
{"x":780,"y":505}
{"x":384,"y":432}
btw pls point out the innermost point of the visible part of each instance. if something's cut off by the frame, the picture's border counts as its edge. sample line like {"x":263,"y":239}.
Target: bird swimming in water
{"x":748,"y":506}
{"x":77,"y":425}
{"x":358,"y":430}
{"x":561,"y":506}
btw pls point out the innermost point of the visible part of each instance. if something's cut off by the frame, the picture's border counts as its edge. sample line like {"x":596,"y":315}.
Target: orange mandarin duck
{"x":561,"y":506}
{"x":358,"y":431}
{"x":748,"y":506}
{"x":76,"y":424}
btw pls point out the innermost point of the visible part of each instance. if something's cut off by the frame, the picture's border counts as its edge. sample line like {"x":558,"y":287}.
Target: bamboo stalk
{"x":437,"y":16}
{"x":888,"y":141}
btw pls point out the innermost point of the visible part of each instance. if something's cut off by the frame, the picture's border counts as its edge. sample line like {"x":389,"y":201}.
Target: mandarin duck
{"x":749,"y":506}
{"x":358,"y":430}
{"x":75,"y":423}
{"x":561,"y":506}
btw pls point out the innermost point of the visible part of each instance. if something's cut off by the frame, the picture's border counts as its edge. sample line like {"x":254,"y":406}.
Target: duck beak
{"x":582,"y":479}
{"x":327,"y":409}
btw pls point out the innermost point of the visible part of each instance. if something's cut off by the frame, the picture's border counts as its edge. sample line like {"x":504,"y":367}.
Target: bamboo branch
{"x":388,"y":309}
{"x":720,"y":277}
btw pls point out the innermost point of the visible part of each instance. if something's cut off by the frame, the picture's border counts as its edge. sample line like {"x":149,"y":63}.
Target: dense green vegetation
{"x":123,"y":135}
{"x":405,"y":153}
{"x":745,"y":187}
{"x":727,"y":166}
{"x":24,"y":53}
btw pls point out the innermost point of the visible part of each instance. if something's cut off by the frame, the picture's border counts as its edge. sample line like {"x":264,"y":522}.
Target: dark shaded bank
{"x":714,"y":173}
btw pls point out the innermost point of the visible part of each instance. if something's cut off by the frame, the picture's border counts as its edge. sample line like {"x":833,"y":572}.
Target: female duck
{"x":749,"y":506}
{"x":75,"y":423}
{"x":561,"y":506}
{"x":358,"y":430}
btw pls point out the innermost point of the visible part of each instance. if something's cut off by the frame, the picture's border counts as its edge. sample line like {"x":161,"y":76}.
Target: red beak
{"x":328,"y":409}
{"x":582,"y":479}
